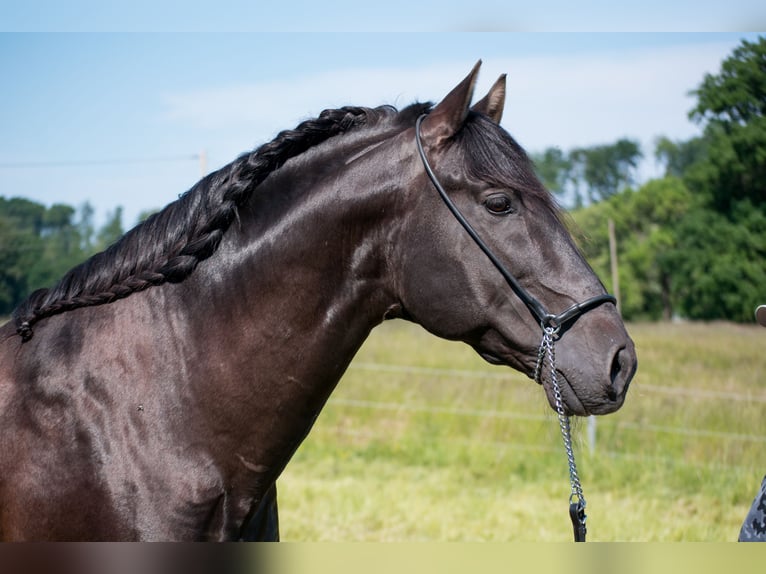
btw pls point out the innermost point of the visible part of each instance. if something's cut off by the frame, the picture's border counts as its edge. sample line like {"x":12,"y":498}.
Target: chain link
{"x":547,"y":349}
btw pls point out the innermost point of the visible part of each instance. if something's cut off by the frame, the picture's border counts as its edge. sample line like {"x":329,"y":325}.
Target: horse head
{"x":450,"y":284}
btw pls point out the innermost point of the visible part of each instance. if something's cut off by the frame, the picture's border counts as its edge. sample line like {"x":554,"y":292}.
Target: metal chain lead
{"x":550,"y":323}
{"x":576,"y":497}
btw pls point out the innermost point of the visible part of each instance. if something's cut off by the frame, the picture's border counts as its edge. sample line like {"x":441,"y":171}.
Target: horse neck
{"x":298,"y":284}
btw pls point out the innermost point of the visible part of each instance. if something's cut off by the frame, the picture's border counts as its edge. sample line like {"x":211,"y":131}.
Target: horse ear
{"x":449,"y":114}
{"x":493,"y":103}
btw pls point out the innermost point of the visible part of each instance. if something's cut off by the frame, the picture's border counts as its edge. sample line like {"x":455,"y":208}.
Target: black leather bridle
{"x":546,"y":319}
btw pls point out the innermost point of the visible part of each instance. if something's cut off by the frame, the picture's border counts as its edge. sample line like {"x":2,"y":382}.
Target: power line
{"x":538,"y":447}
{"x":456,"y":411}
{"x":99,"y":162}
{"x":432,"y":371}
{"x":704,"y":394}
{"x":436,"y":409}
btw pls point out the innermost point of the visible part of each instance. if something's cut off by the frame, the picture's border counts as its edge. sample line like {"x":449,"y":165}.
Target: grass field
{"x":423,"y":441}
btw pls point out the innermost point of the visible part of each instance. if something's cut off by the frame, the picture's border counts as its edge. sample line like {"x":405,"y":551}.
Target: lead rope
{"x":576,"y":497}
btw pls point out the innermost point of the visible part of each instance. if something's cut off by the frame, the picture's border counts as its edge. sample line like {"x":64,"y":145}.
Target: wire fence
{"x":468,"y":374}
{"x":419,"y":373}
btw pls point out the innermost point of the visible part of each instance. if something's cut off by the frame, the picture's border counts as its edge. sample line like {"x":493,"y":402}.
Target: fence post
{"x":592,"y":433}
{"x":613,"y":264}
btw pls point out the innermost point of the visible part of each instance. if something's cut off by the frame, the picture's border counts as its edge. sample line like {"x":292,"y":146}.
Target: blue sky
{"x":388,"y":16}
{"x":79,"y":110}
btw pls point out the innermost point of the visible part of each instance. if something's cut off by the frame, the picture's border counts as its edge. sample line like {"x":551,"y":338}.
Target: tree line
{"x":691,"y":243}
{"x":38,"y":244}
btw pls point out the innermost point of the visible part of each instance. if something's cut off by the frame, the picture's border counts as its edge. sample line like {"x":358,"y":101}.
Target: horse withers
{"x":157,"y":391}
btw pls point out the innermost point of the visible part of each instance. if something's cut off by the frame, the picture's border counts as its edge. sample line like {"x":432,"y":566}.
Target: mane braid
{"x":169,"y":245}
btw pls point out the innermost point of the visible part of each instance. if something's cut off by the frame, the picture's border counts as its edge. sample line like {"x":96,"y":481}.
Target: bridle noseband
{"x":551,"y":325}
{"x":545,"y":319}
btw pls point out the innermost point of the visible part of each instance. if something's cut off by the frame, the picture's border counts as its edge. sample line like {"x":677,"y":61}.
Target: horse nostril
{"x":624,"y":365}
{"x":616,"y":367}
{"x":616,"y":375}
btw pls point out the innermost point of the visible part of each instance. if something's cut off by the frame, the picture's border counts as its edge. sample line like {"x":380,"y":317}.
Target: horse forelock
{"x":493,"y":156}
{"x":168,"y":246}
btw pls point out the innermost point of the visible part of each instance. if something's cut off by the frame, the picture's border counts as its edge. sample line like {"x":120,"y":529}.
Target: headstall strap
{"x":552,"y":330}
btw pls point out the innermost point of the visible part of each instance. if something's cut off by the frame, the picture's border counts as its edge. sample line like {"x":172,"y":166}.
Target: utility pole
{"x":591,"y":429}
{"x":613,"y":261}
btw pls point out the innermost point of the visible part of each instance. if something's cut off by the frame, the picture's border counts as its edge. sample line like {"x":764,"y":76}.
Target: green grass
{"x":422,"y":440}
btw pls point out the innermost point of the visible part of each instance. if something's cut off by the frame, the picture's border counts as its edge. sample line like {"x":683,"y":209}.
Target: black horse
{"x":158,"y":389}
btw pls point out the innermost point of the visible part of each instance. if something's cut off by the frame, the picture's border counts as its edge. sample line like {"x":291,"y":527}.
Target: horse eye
{"x":499,"y":204}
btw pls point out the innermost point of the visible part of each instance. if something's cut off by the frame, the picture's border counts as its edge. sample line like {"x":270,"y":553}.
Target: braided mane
{"x":169,"y":245}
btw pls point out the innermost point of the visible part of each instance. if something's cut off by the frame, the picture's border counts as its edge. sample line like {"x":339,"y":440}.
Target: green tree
{"x":38,"y":244}
{"x":85,"y":227}
{"x":61,"y":246}
{"x":717,"y":265}
{"x":23,"y":213}
{"x":644,"y":222}
{"x":589,"y":174}
{"x":731,"y":105}
{"x":606,"y":169}
{"x":679,"y":156}
{"x":553,"y":167}
{"x":111,"y":231}
{"x":20,"y":248}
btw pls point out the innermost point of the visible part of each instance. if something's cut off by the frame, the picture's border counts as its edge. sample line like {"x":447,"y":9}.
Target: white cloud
{"x":564,"y":101}
{"x":275,"y":105}
{"x":574,"y":101}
